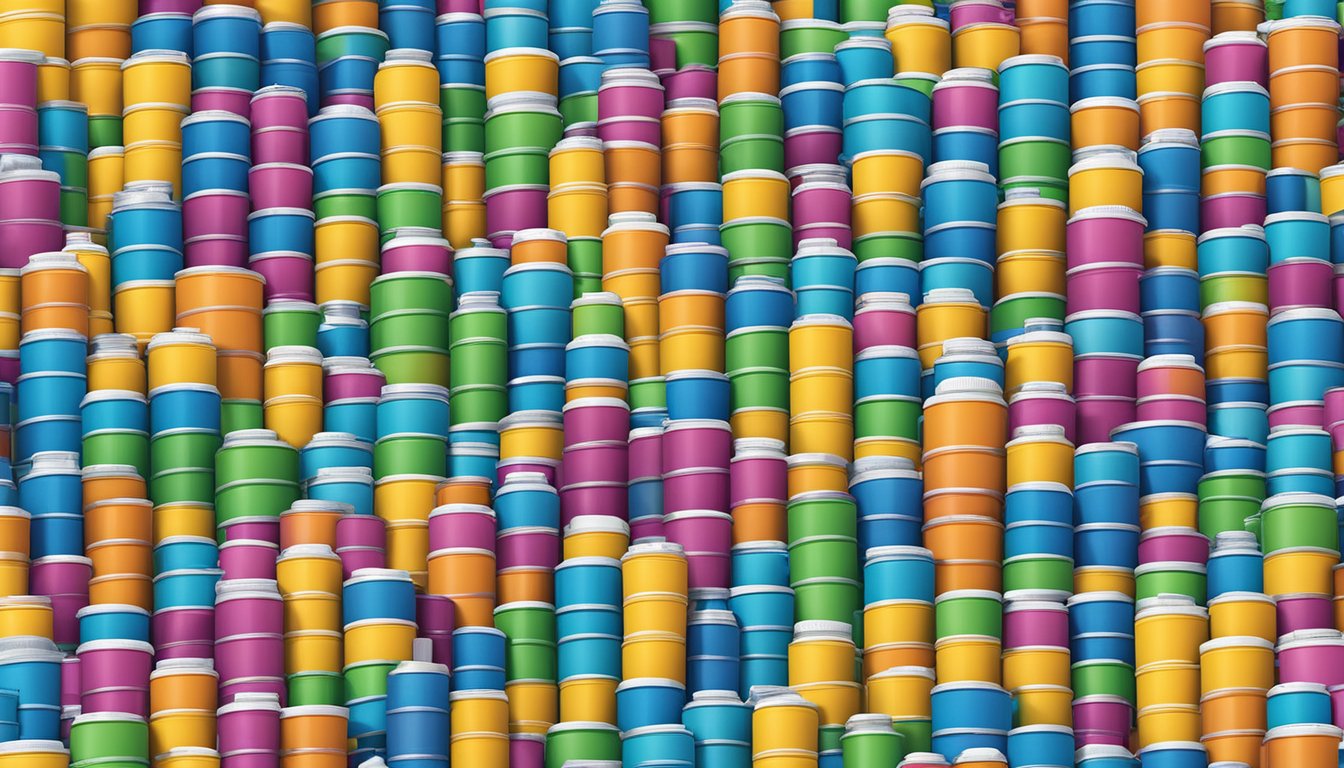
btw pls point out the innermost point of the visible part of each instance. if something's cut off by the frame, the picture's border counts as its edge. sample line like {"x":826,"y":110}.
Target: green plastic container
{"x":578,"y":108}
{"x":1248,"y":485}
{"x":696,"y":42}
{"x":753,"y":151}
{"x":578,"y":740}
{"x":968,"y":612}
{"x":1052,"y":572}
{"x":887,"y":416}
{"x":481,"y":402}
{"x":104,"y":131}
{"x":750,"y":114}
{"x":307,"y":688}
{"x":1034,"y":156}
{"x":235,"y":415}
{"x":757,"y":347}
{"x":525,"y":124}
{"x":758,"y":389}
{"x":190,"y":484}
{"x":367,"y":678}
{"x":529,"y":660}
{"x":518,"y":165}
{"x":1225,"y":513}
{"x":585,"y":261}
{"x":827,"y":599}
{"x":824,"y":557}
{"x":477,"y":320}
{"x":665,"y":11}
{"x":1232,"y":286}
{"x":1014,"y":311}
{"x":1153,"y":579}
{"x":1296,"y":520}
{"x":822,"y":513}
{"x":409,"y":454}
{"x":864,"y":10}
{"x":409,"y":290}
{"x":1103,"y":677}
{"x":184,"y":448}
{"x":526,"y":621}
{"x":597,"y":313}
{"x":406,"y":364}
{"x":1235,"y":148}
{"x":130,"y":446}
{"x":290,"y":322}
{"x":917,"y":733}
{"x":757,"y":237}
{"x":409,"y":204}
{"x":649,"y":394}
{"x":74,"y":206}
{"x":425,"y":328}
{"x":256,"y":474}
{"x":799,"y":36}
{"x":346,"y":202}
{"x":900,"y":245}
{"x":871,"y":740}
{"x":1049,"y":188}
{"x":109,"y":735}
{"x":351,"y":41}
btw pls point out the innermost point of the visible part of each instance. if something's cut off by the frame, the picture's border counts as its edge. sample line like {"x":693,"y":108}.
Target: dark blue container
{"x":648,"y":701}
{"x":162,"y":31}
{"x":281,"y":229}
{"x":1111,"y":544}
{"x":378,"y":594}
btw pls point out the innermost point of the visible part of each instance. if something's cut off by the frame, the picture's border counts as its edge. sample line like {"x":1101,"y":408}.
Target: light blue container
{"x":1297,"y":703}
{"x":1038,"y":538}
{"x":1111,"y":332}
{"x":1034,"y":77}
{"x":1040,"y":745}
{"x":662,"y":745}
{"x":413,"y":409}
{"x":898,"y":573}
{"x":1101,"y":612}
{"x":113,"y":622}
{"x":648,"y":701}
{"x":1297,"y":234}
{"x":884,"y":96}
{"x":587,"y":581}
{"x":175,"y":553}
{"x":378,"y":594}
{"x":758,"y":300}
{"x":760,"y":563}
{"x":189,"y":588}
{"x":1043,"y":501}
{"x":864,"y":58}
{"x":184,"y":406}
{"x":162,"y":32}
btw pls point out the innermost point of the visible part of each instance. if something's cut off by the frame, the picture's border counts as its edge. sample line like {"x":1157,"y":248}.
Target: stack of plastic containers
{"x":344,"y":140}
{"x":226,"y":57}
{"x":459,"y":56}
{"x":281,"y":187}
{"x":522,"y":122}
{"x":629,"y":107}
{"x":1033,"y":92}
{"x":378,"y":613}
{"x":410,"y":123}
{"x":1170,"y":65}
{"x":1169,"y":636}
{"x":1169,"y":291}
{"x":156,"y":89}
{"x":898,"y":634}
{"x":1101,"y":613}
{"x":960,"y":199}
{"x":349,"y":48}
{"x":920,"y":40}
{"x":216,"y":157}
{"x":146,"y":245}
{"x":1303,"y":51}
{"x":1102,"y":50}
{"x":577,"y":206}
{"x":63,"y":147}
{"x":653,"y":651}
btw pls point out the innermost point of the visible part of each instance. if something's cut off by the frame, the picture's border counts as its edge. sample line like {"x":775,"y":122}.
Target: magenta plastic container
{"x":662,"y":55}
{"x":345,"y":383}
{"x":18,"y":129}
{"x":417,"y":254}
{"x":962,"y":103}
{"x":1173,"y":545}
{"x":1234,"y":57}
{"x":24,"y":237}
{"x":1311,"y":657}
{"x":979,"y":13}
{"x":115,"y":673}
{"x":1307,"y":414}
{"x":1301,"y":282}
{"x":214,"y":212}
{"x":249,"y":727}
{"x":288,"y":275}
{"x":1106,"y":233}
{"x":697,"y":488}
{"x":434,"y":614}
{"x":629,"y":93}
{"x":280,"y":144}
{"x":526,"y":750}
{"x":1029,"y":409}
{"x":18,"y":81}
{"x":249,"y":613}
{"x":1298,"y":612}
{"x":1163,"y":408}
{"x":183,"y":633}
{"x":71,"y":686}
{"x":605,"y":498}
{"x":879,"y":325}
{"x":820,"y":202}
{"x":510,"y":209}
{"x":257,"y":528}
{"x":65,"y":580}
{"x":552,"y":472}
{"x":355,"y":558}
{"x":235,"y":100}
{"x":629,"y":127}
{"x":1104,"y":285}
{"x":280,"y":185}
{"x":1102,"y":720}
{"x":596,"y":419}
{"x":361,"y":531}
{"x":693,"y":82}
{"x":812,"y":144}
{"x":216,"y":251}
{"x":1233,"y":209}
{"x":278,"y":105}
{"x":246,"y":659}
{"x":30,"y":195}
{"x":1099,"y":414}
{"x":361,"y":99}
{"x":692,"y":443}
{"x":1105,"y":375}
{"x":248,"y":559}
{"x":647,"y":527}
{"x":646,"y":452}
{"x":528,"y":546}
{"x":707,"y":539}
{"x":758,"y":478}
{"x":596,"y":462}
{"x":466,"y":525}
{"x":1035,"y":624}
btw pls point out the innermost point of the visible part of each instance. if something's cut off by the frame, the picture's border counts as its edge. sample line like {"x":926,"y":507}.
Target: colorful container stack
{"x":794,"y":384}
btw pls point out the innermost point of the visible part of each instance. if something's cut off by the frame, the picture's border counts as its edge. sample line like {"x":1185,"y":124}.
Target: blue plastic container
{"x":646,"y":701}
{"x":898,"y":573}
{"x":378,"y":594}
{"x":177,"y":553}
